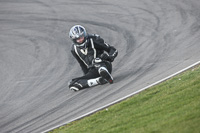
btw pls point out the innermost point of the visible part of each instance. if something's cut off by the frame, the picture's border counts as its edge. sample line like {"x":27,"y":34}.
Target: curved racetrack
{"x":155,"y":39}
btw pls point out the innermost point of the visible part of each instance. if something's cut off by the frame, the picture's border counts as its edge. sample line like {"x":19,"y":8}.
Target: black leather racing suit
{"x":95,"y":48}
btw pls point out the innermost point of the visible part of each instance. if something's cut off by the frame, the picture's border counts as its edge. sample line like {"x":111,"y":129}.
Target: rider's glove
{"x":107,"y":57}
{"x":111,"y":58}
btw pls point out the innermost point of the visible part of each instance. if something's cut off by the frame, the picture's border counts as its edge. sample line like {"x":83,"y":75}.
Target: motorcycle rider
{"x":94,"y":56}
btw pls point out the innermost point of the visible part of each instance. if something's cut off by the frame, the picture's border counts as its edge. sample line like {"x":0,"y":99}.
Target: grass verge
{"x":172,"y":106}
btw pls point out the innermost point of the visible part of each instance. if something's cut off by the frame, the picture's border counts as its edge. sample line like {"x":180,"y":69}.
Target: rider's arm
{"x":82,"y":65}
{"x":100,"y":44}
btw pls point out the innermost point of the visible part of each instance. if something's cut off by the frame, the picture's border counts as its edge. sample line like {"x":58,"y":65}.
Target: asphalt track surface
{"x":155,"y":39}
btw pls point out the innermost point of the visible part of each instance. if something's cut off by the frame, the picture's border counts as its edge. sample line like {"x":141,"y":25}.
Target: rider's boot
{"x":105,"y":75}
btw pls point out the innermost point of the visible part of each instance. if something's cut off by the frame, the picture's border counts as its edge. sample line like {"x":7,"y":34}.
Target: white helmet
{"x":78,"y":35}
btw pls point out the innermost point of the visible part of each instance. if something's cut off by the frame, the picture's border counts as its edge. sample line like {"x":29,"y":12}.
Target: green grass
{"x":170,"y":107}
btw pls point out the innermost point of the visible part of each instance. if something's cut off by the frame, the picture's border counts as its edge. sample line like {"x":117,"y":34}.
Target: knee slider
{"x":96,"y":62}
